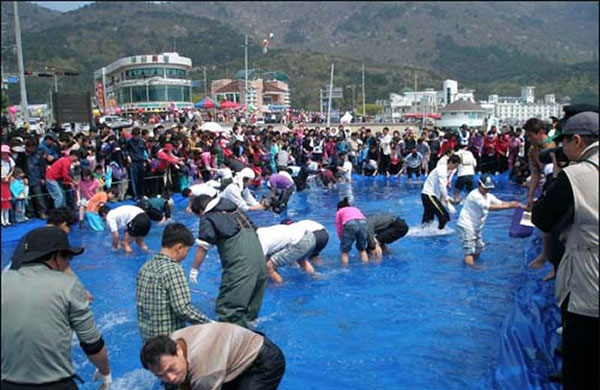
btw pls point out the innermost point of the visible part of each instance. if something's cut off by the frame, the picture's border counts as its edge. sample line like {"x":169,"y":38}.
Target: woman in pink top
{"x":351,"y":225}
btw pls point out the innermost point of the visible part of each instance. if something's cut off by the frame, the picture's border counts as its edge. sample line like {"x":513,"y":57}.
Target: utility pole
{"x":353,"y":88}
{"x":55,"y":82}
{"x":330,"y":95}
{"x":246,"y":73}
{"x":205,"y":87}
{"x":363,"y":92}
{"x":24,"y":104}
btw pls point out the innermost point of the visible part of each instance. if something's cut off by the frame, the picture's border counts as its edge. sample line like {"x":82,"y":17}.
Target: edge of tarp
{"x":528,"y":337}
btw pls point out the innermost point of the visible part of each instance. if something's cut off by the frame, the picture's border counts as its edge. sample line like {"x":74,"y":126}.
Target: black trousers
{"x":384,"y":163}
{"x":37,"y":201}
{"x":65,"y":384}
{"x":580,"y":352}
{"x":264,"y":374}
{"x":433,"y":207}
{"x":137,"y":174}
{"x":397,"y":229}
{"x":321,"y":239}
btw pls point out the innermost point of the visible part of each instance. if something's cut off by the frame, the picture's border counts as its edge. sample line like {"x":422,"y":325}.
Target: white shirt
{"x":385,"y":144}
{"x":309,"y":224}
{"x":467,"y":163}
{"x":204,"y":189}
{"x":224,"y":173}
{"x":242,"y":198}
{"x":414,"y":160}
{"x":295,"y":170}
{"x":119,"y":218}
{"x":7,"y":166}
{"x":347,"y":169}
{"x":475,"y":210}
{"x":436,"y":183}
{"x":275,"y":238}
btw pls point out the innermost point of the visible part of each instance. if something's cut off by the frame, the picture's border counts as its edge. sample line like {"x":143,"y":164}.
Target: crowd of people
{"x":75,"y":177}
{"x":64,"y":167}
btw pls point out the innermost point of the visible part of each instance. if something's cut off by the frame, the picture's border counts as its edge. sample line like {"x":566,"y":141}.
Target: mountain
{"x":30,"y":15}
{"x":490,"y":47}
{"x":407,"y":32}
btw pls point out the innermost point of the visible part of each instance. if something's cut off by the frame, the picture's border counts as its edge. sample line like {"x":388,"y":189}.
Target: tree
{"x":370,"y":109}
{"x":4,"y":106}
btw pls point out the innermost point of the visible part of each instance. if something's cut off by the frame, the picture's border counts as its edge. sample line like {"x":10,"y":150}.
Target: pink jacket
{"x":345,"y":215}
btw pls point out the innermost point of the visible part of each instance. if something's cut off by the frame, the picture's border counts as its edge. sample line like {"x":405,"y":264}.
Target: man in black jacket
{"x":135,"y":150}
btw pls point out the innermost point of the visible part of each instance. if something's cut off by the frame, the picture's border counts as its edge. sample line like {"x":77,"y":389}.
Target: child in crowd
{"x":19,"y":189}
{"x":8,"y":166}
{"x":351,"y":226}
{"x":88,"y":187}
{"x":93,"y":207}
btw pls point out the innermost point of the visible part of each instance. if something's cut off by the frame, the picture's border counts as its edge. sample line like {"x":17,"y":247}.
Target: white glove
{"x":451,"y":208}
{"x":194,"y":276}
{"x":105,"y":380}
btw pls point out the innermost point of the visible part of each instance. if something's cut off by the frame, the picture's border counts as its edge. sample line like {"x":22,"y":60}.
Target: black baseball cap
{"x":40,"y":242}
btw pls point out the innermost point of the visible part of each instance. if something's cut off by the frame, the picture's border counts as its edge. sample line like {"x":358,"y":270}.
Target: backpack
{"x":118,"y":173}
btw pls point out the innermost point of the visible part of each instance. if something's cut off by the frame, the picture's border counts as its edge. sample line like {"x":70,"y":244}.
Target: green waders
{"x":244,"y":277}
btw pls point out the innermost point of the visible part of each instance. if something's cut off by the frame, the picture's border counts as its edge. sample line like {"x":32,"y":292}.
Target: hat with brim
{"x":486,"y":182}
{"x":584,"y":123}
{"x":40,"y":242}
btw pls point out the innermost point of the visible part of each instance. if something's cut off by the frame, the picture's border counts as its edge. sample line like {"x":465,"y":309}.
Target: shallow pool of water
{"x":419,"y":319}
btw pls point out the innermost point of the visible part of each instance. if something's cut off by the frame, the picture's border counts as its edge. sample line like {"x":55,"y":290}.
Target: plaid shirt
{"x":163,"y":298}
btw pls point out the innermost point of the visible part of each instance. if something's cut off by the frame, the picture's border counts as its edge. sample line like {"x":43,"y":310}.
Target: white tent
{"x":213,"y":127}
{"x":347,"y":118}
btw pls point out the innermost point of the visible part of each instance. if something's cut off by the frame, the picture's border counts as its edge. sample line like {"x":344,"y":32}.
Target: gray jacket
{"x":41,"y":308}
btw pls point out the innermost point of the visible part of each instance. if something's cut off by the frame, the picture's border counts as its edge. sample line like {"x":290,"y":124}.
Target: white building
{"x":462,"y":112}
{"x":150,"y":82}
{"x":517,"y":109}
{"x":429,"y":100}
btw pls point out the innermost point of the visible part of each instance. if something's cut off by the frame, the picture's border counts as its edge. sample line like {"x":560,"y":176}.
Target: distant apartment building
{"x":520,"y":108}
{"x":154,"y":82}
{"x":267,"y":91}
{"x":511,"y":109}
{"x":427,"y":101}
{"x":462,"y":112}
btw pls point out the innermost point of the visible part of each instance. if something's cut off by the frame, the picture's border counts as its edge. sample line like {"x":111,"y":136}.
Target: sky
{"x":62,"y":6}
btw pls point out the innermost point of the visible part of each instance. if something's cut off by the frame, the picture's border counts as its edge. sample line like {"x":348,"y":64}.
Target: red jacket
{"x":501,"y":146}
{"x":166,"y":159}
{"x":60,"y":170}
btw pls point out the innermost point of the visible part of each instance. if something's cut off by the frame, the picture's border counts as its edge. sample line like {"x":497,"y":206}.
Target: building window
{"x":124,"y":95}
{"x":175,"y":73}
{"x":174,"y":93}
{"x":144,"y":73}
{"x":157,"y":93}
{"x":187,"y":94}
{"x":138,"y":94}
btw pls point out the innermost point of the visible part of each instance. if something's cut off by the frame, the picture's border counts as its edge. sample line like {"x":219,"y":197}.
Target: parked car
{"x":114,"y":121}
{"x":35,"y":125}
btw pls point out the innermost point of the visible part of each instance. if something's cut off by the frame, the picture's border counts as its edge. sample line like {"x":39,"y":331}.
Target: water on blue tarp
{"x":419,"y":319}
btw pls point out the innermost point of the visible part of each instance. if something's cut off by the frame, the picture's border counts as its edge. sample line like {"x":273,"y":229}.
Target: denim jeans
{"x":56,"y":192}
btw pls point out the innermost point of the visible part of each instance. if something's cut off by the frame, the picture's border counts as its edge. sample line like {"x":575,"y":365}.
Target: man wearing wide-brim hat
{"x":41,"y":307}
{"x":570,"y":204}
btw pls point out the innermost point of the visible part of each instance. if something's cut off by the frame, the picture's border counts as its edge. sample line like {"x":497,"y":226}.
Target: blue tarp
{"x":528,"y":338}
{"x":419,"y":319}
